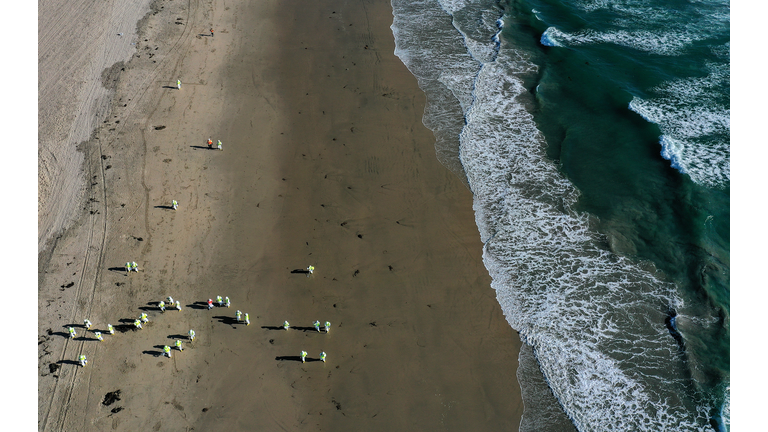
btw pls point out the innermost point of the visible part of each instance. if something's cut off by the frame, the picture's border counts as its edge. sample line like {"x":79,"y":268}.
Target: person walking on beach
{"x":87,"y":324}
{"x":137,"y":323}
{"x":303,"y":356}
{"x":82,"y":360}
{"x":210,"y":304}
{"x":144,"y":318}
{"x":170,"y":300}
{"x":211,"y":31}
{"x":127,"y":267}
{"x":98,"y":336}
{"x":210,"y":144}
{"x":161,"y":305}
{"x":174,"y":204}
{"x":322,"y":356}
{"x":110,"y":329}
{"x":135,"y":266}
{"x":178,"y":305}
{"x":220,"y":301}
{"x":72,"y":333}
{"x":311,"y":269}
{"x":226,"y":302}
{"x":178,"y":84}
{"x":178,"y":345}
{"x":286,"y":325}
{"x":247,"y":320}
{"x":239,"y":315}
{"x":327,"y":326}
{"x":218,"y":144}
{"x":317,"y":325}
{"x":167,"y":351}
{"x":191,"y":335}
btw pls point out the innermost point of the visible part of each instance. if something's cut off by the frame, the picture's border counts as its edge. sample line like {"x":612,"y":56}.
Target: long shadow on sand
{"x":198,"y":305}
{"x":72,"y":362}
{"x":273,"y":327}
{"x":204,"y":147}
{"x":296,"y":358}
{"x":227,"y":320}
{"x":301,"y":271}
{"x":164,"y":207}
{"x":118,"y":269}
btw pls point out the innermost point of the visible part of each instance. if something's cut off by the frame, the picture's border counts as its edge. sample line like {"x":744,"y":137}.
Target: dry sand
{"x":325,"y":161}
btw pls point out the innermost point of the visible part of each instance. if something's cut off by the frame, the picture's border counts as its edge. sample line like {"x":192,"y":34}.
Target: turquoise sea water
{"x":595,"y":136}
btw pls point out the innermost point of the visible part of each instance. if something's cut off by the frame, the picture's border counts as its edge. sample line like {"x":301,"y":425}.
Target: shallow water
{"x":595,"y":138}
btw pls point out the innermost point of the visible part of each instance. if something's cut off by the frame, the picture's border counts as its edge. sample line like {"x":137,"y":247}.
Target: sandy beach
{"x":324,"y":162}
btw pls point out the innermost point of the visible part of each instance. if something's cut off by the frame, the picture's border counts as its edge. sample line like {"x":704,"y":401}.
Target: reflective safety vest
{"x":166,"y":349}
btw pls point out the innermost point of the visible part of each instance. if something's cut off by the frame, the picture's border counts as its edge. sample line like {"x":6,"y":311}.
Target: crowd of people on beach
{"x":161,"y":305}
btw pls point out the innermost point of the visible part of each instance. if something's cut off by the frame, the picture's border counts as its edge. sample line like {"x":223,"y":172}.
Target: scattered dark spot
{"x":343,"y":223}
{"x":429,"y":305}
{"x":122,"y":205}
{"x":372,"y":324}
{"x":103,"y":157}
{"x":69,"y":285}
{"x":283,"y":178}
{"x":108,"y":167}
{"x":111,"y":398}
{"x":166,"y":160}
{"x":390,"y":268}
{"x":119,"y":283}
{"x":49,"y":332}
{"x":357,"y":272}
{"x":117,"y":121}
{"x":159,"y":127}
{"x":334,"y":305}
{"x":322,"y":205}
{"x":359,"y":236}
{"x":349,"y":187}
{"x":272,"y":341}
{"x":139,"y":238}
{"x":116,"y":410}
{"x":205,"y":409}
{"x":365,"y":47}
{"x":53,"y":367}
{"x":338,"y":405}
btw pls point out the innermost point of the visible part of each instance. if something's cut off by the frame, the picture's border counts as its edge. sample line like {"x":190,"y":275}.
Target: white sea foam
{"x":595,"y":320}
{"x":695,"y":125}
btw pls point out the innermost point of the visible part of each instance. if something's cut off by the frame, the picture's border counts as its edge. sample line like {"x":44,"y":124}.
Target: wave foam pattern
{"x":594,"y":319}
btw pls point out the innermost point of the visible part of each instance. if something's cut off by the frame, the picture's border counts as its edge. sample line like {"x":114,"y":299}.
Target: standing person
{"x":167,"y":351}
{"x":178,"y":84}
{"x":82,"y":360}
{"x":327,"y":326}
{"x":311,"y":269}
{"x":128,"y":267}
{"x":98,"y":336}
{"x":110,"y":329}
{"x":87,"y":324}
{"x":211,"y":31}
{"x":191,"y":335}
{"x":218,"y":144}
{"x":135,"y":266}
{"x":137,"y":323}
{"x":174,"y":204}
{"x":170,"y":300}
{"x":226,"y":302}
{"x":178,"y":345}
{"x":72,"y":333}
{"x":239,"y":315}
{"x":286,"y":325}
{"x":247,"y":320}
{"x":220,"y":301}
{"x":144,"y":318}
{"x":210,"y":304}
{"x":322,"y":356}
{"x":317,"y":325}
{"x":161,"y":305}
{"x":178,"y":305}
{"x":210,"y":144}
{"x":303,"y":356}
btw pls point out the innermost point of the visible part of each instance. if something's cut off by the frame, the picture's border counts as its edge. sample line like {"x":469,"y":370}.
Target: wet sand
{"x":325,"y":162}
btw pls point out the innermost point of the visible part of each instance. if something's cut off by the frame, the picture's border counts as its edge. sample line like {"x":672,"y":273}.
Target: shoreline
{"x":325,"y":162}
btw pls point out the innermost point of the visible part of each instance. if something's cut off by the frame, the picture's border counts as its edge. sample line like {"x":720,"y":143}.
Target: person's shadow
{"x":301,"y":271}
{"x":198,"y":305}
{"x":72,"y":362}
{"x":227,"y":320}
{"x":204,"y":147}
{"x":164,"y":207}
{"x":288,"y":358}
{"x":273,"y":327}
{"x":170,"y":87}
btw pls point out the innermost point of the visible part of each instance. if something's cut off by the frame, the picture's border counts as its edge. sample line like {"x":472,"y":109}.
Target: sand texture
{"x":325,"y":161}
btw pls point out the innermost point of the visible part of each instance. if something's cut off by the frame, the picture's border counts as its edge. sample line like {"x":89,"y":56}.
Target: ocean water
{"x":595,"y":137}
